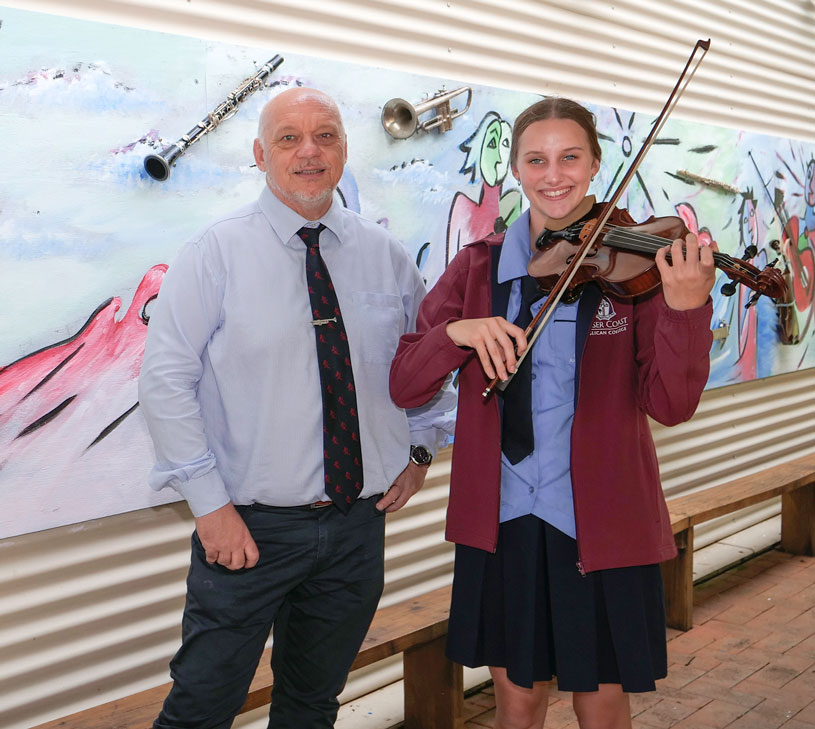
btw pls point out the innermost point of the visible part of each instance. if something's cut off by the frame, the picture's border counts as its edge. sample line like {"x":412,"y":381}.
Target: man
{"x":265,"y":389}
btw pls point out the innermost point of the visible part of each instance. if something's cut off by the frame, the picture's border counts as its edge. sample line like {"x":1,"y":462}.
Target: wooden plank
{"x":798,"y":521}
{"x":408,"y":623}
{"x":434,"y":688}
{"x":136,"y":711}
{"x":679,"y":522}
{"x":726,"y":498}
{"x":394,"y":629}
{"x":677,"y":576}
{"x":794,"y":481}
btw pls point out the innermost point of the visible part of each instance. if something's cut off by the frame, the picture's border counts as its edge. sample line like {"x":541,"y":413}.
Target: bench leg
{"x":798,"y":521}
{"x":434,"y":688}
{"x":677,"y":575}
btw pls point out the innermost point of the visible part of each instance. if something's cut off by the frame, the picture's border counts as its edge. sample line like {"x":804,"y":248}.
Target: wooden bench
{"x":417,"y":628}
{"x":794,"y":481}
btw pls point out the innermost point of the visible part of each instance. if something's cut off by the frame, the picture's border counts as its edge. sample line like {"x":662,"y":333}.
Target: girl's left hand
{"x":689,"y":276}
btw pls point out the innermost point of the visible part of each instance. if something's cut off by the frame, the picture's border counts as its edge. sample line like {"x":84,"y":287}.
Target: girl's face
{"x":554,"y":166}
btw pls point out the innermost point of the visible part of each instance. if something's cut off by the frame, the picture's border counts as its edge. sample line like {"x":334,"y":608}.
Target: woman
{"x":556,"y":506}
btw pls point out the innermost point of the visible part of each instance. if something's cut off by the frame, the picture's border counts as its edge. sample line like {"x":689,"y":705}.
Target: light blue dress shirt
{"x":541,"y":484}
{"x":230,"y":387}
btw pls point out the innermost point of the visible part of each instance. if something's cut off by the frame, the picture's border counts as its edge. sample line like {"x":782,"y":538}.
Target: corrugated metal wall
{"x":760,"y":75}
{"x":91,"y":612}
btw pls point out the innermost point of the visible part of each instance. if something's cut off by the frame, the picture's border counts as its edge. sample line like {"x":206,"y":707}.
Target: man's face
{"x":302,"y":152}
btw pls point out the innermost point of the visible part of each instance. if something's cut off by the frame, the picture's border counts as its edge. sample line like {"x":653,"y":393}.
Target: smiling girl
{"x":556,"y":506}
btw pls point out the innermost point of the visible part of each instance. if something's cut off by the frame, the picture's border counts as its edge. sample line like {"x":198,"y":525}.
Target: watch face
{"x":420,"y":455}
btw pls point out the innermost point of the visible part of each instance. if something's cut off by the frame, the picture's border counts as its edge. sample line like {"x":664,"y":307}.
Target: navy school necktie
{"x":342,"y":451}
{"x":517,"y":433}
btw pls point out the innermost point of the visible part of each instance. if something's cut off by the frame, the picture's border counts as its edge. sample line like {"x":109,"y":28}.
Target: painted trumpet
{"x":401,"y":118}
{"x":158,"y":165}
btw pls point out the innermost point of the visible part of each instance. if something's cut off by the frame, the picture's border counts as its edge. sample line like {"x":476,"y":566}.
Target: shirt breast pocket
{"x":562,"y":343}
{"x":381,"y":322}
{"x":555,"y":361}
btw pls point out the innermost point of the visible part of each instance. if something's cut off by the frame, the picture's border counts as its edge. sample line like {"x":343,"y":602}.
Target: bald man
{"x":265,"y":389}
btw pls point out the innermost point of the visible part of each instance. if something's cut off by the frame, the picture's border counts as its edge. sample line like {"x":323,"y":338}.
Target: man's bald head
{"x":291,"y":98}
{"x":301,"y":146}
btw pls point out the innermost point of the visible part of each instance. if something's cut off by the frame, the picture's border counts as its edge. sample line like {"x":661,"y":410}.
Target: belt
{"x":315,"y":505}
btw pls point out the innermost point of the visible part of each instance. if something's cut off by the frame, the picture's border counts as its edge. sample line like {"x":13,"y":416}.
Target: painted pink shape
{"x":747,"y":319}
{"x":470,"y":219}
{"x":688,"y":215}
{"x":93,"y":375}
{"x":802,"y":262}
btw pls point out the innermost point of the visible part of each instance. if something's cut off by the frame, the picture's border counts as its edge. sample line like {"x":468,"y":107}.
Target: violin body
{"x":620,"y":273}
{"x":621,"y":259}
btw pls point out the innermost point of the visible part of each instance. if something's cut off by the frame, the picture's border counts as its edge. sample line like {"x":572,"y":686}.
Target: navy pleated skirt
{"x":528,"y":609}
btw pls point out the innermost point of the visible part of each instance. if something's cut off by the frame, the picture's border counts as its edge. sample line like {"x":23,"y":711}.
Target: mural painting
{"x":86,"y":235}
{"x":486,"y":161}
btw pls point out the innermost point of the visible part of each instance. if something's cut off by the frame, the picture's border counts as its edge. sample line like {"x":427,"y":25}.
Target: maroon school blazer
{"x":635,"y":359}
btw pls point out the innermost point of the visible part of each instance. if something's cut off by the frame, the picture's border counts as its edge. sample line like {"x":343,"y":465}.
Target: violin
{"x":621,"y":260}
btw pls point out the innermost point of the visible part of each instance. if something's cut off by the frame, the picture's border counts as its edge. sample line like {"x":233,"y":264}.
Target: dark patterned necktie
{"x":342,"y":451}
{"x":517,"y":432}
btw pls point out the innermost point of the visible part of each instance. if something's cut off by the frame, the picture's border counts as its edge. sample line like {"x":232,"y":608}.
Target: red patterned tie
{"x":342,"y":452}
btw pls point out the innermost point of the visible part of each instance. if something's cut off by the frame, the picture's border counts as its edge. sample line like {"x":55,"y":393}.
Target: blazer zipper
{"x":579,"y":564}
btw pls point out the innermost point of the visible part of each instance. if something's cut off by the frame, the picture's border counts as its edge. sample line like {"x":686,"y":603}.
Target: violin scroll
{"x":768,"y":281}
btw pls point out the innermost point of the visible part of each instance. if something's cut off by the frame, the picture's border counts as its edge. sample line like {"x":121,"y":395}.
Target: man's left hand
{"x":406,"y":484}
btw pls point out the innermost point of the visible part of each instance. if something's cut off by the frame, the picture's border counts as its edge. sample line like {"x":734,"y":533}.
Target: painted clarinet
{"x":158,"y":165}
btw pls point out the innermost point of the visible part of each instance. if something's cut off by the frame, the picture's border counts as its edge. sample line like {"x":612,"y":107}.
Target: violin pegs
{"x":544,"y":239}
{"x":753,"y":299}
{"x":750,"y":252}
{"x":729,"y":288}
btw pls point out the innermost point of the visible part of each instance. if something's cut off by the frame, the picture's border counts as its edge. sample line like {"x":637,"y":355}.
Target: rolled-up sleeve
{"x":433,"y":423}
{"x":187,"y":313}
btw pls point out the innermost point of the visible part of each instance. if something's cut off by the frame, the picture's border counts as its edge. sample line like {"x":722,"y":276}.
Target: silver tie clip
{"x":320,"y":322}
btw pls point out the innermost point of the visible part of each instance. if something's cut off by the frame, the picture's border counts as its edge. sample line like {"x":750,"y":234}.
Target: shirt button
{"x":534,"y":376}
{"x":531,"y":489}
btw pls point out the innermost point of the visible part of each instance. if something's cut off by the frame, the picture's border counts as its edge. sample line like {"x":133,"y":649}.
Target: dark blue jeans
{"x":318,"y":582}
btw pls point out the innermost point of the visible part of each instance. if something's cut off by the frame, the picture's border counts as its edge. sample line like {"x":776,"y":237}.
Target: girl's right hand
{"x":492,"y":338}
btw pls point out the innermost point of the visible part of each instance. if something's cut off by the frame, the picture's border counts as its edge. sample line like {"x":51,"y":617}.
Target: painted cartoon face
{"x":494,"y":161}
{"x":555,"y":165}
{"x":303,"y":152}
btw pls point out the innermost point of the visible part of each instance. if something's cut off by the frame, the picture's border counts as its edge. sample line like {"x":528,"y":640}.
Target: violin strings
{"x":621,"y":237}
{"x":649,"y":243}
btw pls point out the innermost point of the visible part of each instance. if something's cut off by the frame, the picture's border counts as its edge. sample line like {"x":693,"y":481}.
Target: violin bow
{"x":533,"y":331}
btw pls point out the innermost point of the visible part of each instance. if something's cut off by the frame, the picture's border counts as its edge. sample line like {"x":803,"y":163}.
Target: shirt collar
{"x":286,"y":222}
{"x":515,"y":251}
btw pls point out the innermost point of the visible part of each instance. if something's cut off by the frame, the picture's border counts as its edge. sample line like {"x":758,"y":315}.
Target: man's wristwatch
{"x":420,"y":455}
